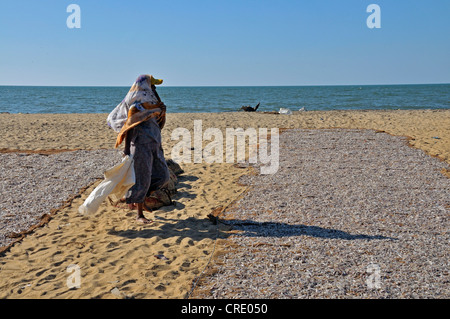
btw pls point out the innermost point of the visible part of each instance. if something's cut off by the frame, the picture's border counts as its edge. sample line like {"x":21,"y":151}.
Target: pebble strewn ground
{"x":32,"y":184}
{"x":349,"y":214}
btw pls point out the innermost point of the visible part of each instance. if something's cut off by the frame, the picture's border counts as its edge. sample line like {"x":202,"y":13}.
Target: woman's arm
{"x":126,"y":150}
{"x":162,"y":116}
{"x":162,"y":120}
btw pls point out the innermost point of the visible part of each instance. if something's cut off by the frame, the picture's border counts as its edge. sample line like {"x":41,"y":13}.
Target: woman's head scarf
{"x":140,"y":104}
{"x":140,"y":92}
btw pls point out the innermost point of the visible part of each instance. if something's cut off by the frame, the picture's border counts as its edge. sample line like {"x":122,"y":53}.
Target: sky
{"x":224,"y":42}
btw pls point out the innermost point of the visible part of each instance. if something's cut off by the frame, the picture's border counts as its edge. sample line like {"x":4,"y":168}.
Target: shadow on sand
{"x":251,"y":228}
{"x":198,"y":229}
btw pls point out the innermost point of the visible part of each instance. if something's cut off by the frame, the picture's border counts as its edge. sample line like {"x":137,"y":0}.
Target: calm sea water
{"x":26,"y":99}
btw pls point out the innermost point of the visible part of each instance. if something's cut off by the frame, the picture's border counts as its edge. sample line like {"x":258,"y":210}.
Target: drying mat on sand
{"x":34,"y":184}
{"x":349,"y":214}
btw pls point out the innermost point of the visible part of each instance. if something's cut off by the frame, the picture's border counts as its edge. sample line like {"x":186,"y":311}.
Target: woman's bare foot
{"x":144,"y":220}
{"x":140,"y":217}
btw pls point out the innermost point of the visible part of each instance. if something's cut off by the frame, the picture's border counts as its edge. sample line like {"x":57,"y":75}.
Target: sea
{"x":60,"y":99}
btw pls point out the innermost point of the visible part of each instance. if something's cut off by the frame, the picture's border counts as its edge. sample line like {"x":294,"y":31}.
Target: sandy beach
{"x":427,"y":129}
{"x":119,"y":258}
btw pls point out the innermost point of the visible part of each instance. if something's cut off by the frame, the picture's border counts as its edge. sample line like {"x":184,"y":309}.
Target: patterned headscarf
{"x":140,"y":104}
{"x":140,"y":92}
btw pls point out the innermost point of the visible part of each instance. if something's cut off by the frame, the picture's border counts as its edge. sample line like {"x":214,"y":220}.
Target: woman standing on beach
{"x":139,"y":119}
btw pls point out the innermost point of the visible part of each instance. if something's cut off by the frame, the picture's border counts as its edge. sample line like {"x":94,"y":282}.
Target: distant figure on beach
{"x":140,"y":118}
{"x":249,"y":108}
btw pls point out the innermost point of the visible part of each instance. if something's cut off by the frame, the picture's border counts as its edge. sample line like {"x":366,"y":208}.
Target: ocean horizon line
{"x":102,"y":99}
{"x":223,"y":86}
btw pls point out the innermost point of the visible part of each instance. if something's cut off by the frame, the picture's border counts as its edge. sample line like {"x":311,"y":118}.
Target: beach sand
{"x":427,"y":129}
{"x":119,"y":258}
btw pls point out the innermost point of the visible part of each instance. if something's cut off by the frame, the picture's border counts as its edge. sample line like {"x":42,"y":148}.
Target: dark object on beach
{"x":249,"y":108}
{"x":174,"y":167}
{"x":163,"y":196}
{"x":213,"y":219}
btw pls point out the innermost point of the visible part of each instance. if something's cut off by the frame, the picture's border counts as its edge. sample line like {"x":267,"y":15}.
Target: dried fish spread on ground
{"x":349,"y":214}
{"x":32,"y":184}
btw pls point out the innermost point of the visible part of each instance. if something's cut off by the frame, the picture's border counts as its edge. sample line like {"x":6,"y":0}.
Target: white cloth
{"x":118,"y":180}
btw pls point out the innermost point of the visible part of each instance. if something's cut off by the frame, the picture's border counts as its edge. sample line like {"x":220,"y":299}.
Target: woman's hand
{"x":149,"y":106}
{"x":162,"y":106}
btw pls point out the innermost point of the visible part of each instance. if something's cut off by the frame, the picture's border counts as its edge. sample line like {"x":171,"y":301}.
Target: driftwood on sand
{"x":248,"y":108}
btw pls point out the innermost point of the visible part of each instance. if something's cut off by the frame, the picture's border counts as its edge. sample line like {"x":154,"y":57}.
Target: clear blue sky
{"x":224,"y":42}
